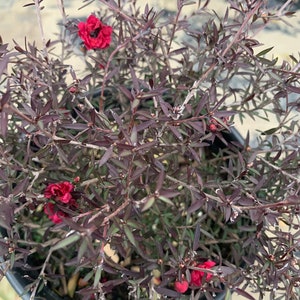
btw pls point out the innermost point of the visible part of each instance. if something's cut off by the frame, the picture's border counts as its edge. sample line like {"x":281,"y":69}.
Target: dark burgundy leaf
{"x":21,"y":186}
{"x":293,"y":89}
{"x":76,"y":126}
{"x":176,"y":132}
{"x":195,"y":206}
{"x":244,"y":294}
{"x":3,"y":122}
{"x":167,"y":292}
{"x":106,"y":156}
{"x":6,"y":213}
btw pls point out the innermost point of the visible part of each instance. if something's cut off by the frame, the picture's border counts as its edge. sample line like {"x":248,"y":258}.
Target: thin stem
{"x":127,"y":198}
{"x":79,"y":144}
{"x":34,"y":291}
{"x":39,"y":19}
{"x":190,"y":187}
{"x":244,"y":24}
{"x":279,"y":169}
{"x":197,"y":83}
{"x":19,"y":113}
{"x":283,"y":7}
{"x":174,"y":28}
{"x":264,"y":206}
{"x":61,"y":7}
{"x":113,"y":214}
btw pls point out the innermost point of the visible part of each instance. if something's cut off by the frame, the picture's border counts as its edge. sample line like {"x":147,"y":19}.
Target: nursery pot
{"x":18,"y":282}
{"x":18,"y":278}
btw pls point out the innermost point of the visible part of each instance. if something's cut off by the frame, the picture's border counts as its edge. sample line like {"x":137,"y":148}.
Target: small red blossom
{"x":76,"y":179}
{"x":73,"y":89}
{"x":94,"y":33}
{"x":197,"y":276}
{"x":53,"y":214}
{"x":181,"y":286}
{"x":59,"y":191}
{"x":213,"y":127}
{"x":218,"y":124}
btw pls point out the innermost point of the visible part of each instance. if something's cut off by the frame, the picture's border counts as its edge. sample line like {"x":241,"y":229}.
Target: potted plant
{"x":128,"y":179}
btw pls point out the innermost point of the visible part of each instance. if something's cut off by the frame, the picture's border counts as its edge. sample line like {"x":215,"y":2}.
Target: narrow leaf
{"x":129,"y":235}
{"x":21,"y":186}
{"x":166,"y":200}
{"x":244,"y":294}
{"x":160,"y":180}
{"x":97,"y":276}
{"x":67,"y":241}
{"x":270,"y":131}
{"x":134,"y":136}
{"x":149,"y":203}
{"x":293,"y":89}
{"x":264,"y":52}
{"x":106,"y":156}
{"x":167,"y":292}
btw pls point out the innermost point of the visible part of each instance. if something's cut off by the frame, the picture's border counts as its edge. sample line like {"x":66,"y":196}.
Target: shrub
{"x":129,"y":177}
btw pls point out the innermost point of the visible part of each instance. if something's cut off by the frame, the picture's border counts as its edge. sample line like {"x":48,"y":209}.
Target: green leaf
{"x":135,"y":103}
{"x":67,"y":241}
{"x":113,"y":230}
{"x":134,"y":136}
{"x":166,"y":200}
{"x":264,"y":52}
{"x":129,"y":235}
{"x":97,"y":276}
{"x":275,"y":76}
{"x":293,"y":59}
{"x":265,"y":267}
{"x":133,"y":224}
{"x":270,"y":131}
{"x":88,"y":276}
{"x":82,"y":249}
{"x":149,"y":203}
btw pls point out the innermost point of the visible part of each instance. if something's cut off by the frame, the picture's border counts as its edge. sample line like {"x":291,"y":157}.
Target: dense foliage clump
{"x":129,"y":179}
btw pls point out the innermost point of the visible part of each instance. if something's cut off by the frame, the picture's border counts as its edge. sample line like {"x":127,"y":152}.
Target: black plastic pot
{"x":19,"y":283}
{"x":18,"y":278}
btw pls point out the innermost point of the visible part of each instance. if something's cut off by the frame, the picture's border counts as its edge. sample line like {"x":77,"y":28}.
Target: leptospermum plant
{"x":127,"y":180}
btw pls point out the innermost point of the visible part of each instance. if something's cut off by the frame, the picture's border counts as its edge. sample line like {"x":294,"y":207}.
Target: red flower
{"x":181,"y":286}
{"x":59,"y":191}
{"x":197,"y":276}
{"x":94,"y":33}
{"x":54,"y":215}
{"x":213,"y":127}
